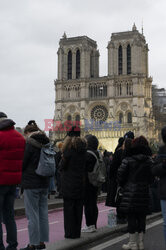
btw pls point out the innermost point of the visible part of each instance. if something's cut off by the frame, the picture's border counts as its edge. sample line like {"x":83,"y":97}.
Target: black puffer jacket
{"x":135,"y":175}
{"x":30,"y":180}
{"x":159,"y":169}
{"x":72,"y":168}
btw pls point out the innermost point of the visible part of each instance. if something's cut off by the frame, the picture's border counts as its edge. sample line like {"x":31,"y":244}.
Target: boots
{"x":132,"y":244}
{"x":141,"y":241}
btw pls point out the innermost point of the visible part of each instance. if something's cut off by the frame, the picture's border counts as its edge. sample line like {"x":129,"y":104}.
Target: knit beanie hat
{"x":3,"y":115}
{"x":129,"y":134}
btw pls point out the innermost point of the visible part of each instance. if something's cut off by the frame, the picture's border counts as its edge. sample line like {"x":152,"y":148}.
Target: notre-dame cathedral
{"x":122,"y":100}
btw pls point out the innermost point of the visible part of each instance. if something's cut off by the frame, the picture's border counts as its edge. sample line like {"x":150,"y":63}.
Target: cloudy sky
{"x":29,"y":37}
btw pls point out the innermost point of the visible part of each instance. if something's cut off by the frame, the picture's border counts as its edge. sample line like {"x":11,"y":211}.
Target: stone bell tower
{"x":128,"y":65}
{"x":128,"y":54}
{"x":78,"y":57}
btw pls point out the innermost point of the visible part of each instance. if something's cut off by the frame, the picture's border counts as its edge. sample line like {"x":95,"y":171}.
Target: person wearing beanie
{"x":12,"y":145}
{"x":159,"y":170}
{"x":72,"y":169}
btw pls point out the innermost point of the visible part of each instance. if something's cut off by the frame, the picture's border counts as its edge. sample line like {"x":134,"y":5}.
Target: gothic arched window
{"x":69,"y":68}
{"x":119,"y":89}
{"x":128,"y":60}
{"x":91,"y":65}
{"x":90,"y":91}
{"x":120,"y":118}
{"x":69,"y":117}
{"x":77,"y":118}
{"x":120,"y":60}
{"x":129,"y":117}
{"x":78,"y":64}
{"x":127,"y":88}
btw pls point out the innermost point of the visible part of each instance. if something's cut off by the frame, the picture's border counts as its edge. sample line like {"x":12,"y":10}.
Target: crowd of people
{"x":132,"y":176}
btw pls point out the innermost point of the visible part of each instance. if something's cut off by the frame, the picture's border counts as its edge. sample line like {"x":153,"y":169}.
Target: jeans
{"x":36,"y":209}
{"x":52,"y":186}
{"x":163,"y":209}
{"x":7,"y":197}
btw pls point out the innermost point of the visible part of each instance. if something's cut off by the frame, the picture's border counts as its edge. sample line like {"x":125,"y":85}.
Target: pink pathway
{"x":55,"y":225}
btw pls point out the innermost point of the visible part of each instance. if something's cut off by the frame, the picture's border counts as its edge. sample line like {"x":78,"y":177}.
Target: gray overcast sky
{"x":29,"y":38}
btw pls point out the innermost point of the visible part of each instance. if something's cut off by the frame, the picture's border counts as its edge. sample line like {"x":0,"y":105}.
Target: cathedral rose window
{"x":99,"y":113}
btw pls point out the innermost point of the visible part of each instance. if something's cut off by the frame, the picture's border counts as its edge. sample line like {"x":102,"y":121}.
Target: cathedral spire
{"x":142,"y":28}
{"x":134,"y":27}
{"x":64,"y":35}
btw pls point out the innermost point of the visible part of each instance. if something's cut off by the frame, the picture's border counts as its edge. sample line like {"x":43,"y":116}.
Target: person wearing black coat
{"x":35,"y":188}
{"x":72,"y":168}
{"x":90,"y":199}
{"x":135,"y":176}
{"x":114,"y":166}
{"x":159,"y":169}
{"x":118,"y":156}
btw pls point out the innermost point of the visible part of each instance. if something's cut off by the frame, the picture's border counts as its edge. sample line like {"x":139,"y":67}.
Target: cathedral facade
{"x":106,"y":106}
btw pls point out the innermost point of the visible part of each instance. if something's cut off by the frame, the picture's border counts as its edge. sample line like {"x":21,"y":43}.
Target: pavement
{"x":154,"y":239}
{"x":86,"y":238}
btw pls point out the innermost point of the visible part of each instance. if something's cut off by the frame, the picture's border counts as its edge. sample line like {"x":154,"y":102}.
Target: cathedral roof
{"x":78,"y":39}
{"x":128,"y":34}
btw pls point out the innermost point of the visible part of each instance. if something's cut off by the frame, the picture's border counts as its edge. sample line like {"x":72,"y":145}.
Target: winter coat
{"x":135,"y":176}
{"x":114,"y":165}
{"x":12,"y":145}
{"x":72,"y":168}
{"x":30,"y":180}
{"x":159,"y":169}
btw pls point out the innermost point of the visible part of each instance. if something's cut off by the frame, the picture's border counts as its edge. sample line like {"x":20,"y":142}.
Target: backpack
{"x":97,"y":176}
{"x":46,"y":165}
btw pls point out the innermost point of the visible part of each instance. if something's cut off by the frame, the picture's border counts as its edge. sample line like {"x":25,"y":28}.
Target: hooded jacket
{"x":30,"y":180}
{"x":12,"y":145}
{"x":135,"y":176}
